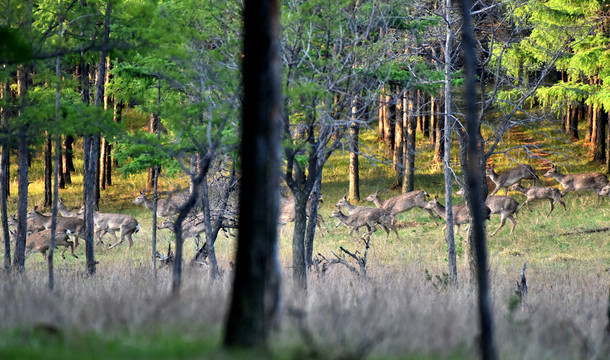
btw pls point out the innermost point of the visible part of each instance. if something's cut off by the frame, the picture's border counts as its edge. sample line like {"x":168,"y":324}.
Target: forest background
{"x":128,"y":90}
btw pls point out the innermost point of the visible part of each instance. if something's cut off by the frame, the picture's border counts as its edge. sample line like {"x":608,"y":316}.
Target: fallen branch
{"x":322,"y":264}
{"x":589,"y":231}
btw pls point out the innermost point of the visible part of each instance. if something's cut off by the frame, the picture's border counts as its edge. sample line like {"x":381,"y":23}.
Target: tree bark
{"x":256,"y":267}
{"x":439,"y":150}
{"x":451,"y":256}
{"x":399,"y":138}
{"x":48,"y":173}
{"x":6,"y":91}
{"x":68,"y":163}
{"x":354,"y":171}
{"x":409,"y":181}
{"x":597,"y":138}
{"x":473,"y":181}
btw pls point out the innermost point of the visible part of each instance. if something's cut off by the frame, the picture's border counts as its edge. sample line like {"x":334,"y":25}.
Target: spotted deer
{"x":368,"y":217}
{"x":402,"y":203}
{"x":166,"y":207}
{"x":41,"y":242}
{"x":75,"y":225}
{"x":461,"y":215}
{"x":577,"y":182}
{"x":510,"y":177}
{"x":500,"y":204}
{"x":287,"y":214}
{"x":540,"y":193}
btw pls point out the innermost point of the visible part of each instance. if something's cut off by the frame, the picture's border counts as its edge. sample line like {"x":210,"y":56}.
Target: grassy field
{"x":404,"y":310}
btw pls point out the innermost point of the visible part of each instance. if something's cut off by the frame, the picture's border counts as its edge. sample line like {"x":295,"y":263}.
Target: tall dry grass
{"x":396,"y":312}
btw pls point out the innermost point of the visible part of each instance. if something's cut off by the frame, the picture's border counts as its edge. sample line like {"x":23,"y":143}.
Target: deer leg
{"x":431,"y":215}
{"x":552,"y":202}
{"x":502,"y":222}
{"x":512,"y":219}
{"x":116,"y":243}
{"x":71,"y":249}
{"x":562,"y":204}
{"x":395,"y":231}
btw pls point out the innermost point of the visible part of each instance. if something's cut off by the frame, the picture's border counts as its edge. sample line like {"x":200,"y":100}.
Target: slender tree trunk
{"x":382,"y":116}
{"x":209,"y":239}
{"x":6,"y":96}
{"x":48,"y":172}
{"x":312,"y":211}
{"x":399,"y":138}
{"x":354,"y":171}
{"x":432,"y":120}
{"x":597,"y":138}
{"x":606,"y":118}
{"x":57,"y":154}
{"x":388,"y":124}
{"x":68,"y":163}
{"x":451,"y":257}
{"x":248,"y":322}
{"x":473,"y":181}
{"x":439,"y":150}
{"x":409,"y":181}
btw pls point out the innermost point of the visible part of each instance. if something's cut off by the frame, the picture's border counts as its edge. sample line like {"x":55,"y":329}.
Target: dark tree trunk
{"x":209,"y":238}
{"x":68,"y":163}
{"x":473,"y":181}
{"x":6,"y":96}
{"x":89,"y":203}
{"x":399,"y":139}
{"x":60,"y":170}
{"x":573,"y":120}
{"x":606,"y":117}
{"x":382,"y":117}
{"x":48,"y":173}
{"x":313,"y":215}
{"x":388,"y":123}
{"x":249,"y":322}
{"x":23,"y":166}
{"x":22,"y":207}
{"x":410,"y":153}
{"x":598,"y":137}
{"x":153,"y":126}
{"x":439,"y":147}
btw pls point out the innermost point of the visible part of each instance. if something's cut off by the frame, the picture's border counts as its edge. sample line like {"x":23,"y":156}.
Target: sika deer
{"x":287,"y":214}
{"x":75,"y":225}
{"x":64,"y":211}
{"x":540,"y":193}
{"x":510,"y":176}
{"x":191,"y":228}
{"x":499,"y":204}
{"x":366,"y":218}
{"x":506,"y":207}
{"x":576,"y":182}
{"x":33,"y":224}
{"x":402,"y":203}
{"x":461,"y":214}
{"x":41,"y":242}
{"x":166,"y":207}
{"x":111,"y":223}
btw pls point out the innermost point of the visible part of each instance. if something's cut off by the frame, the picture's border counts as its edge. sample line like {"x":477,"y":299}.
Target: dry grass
{"x":397,"y":312}
{"x":404,"y":310}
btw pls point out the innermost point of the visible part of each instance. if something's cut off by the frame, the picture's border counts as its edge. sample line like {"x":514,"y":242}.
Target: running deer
{"x":192,"y":227}
{"x":287,"y":214}
{"x":166,"y":207}
{"x":41,"y":242}
{"x":33,"y":224}
{"x":510,"y":177}
{"x":75,"y":225}
{"x":500,"y":204}
{"x":368,"y":217}
{"x":111,"y":223}
{"x":506,"y":207}
{"x":541,"y":193}
{"x":64,"y":211}
{"x":402,"y":203}
{"x":461,"y":214}
{"x":577,"y":182}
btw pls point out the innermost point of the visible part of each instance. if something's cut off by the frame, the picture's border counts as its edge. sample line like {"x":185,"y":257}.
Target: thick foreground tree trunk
{"x":256,"y":268}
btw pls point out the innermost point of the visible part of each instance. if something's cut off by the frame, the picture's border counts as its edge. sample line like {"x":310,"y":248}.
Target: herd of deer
{"x":70,"y":226}
{"x":385,"y":212}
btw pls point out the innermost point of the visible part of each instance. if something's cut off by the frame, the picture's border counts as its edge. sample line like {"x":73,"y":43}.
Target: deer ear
{"x":36,"y":208}
{"x":436,"y":197}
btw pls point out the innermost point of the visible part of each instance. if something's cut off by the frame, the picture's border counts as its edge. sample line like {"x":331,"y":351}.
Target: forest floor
{"x":404,"y":309}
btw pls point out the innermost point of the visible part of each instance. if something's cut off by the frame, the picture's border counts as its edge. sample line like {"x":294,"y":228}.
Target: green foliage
{"x":143,"y":151}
